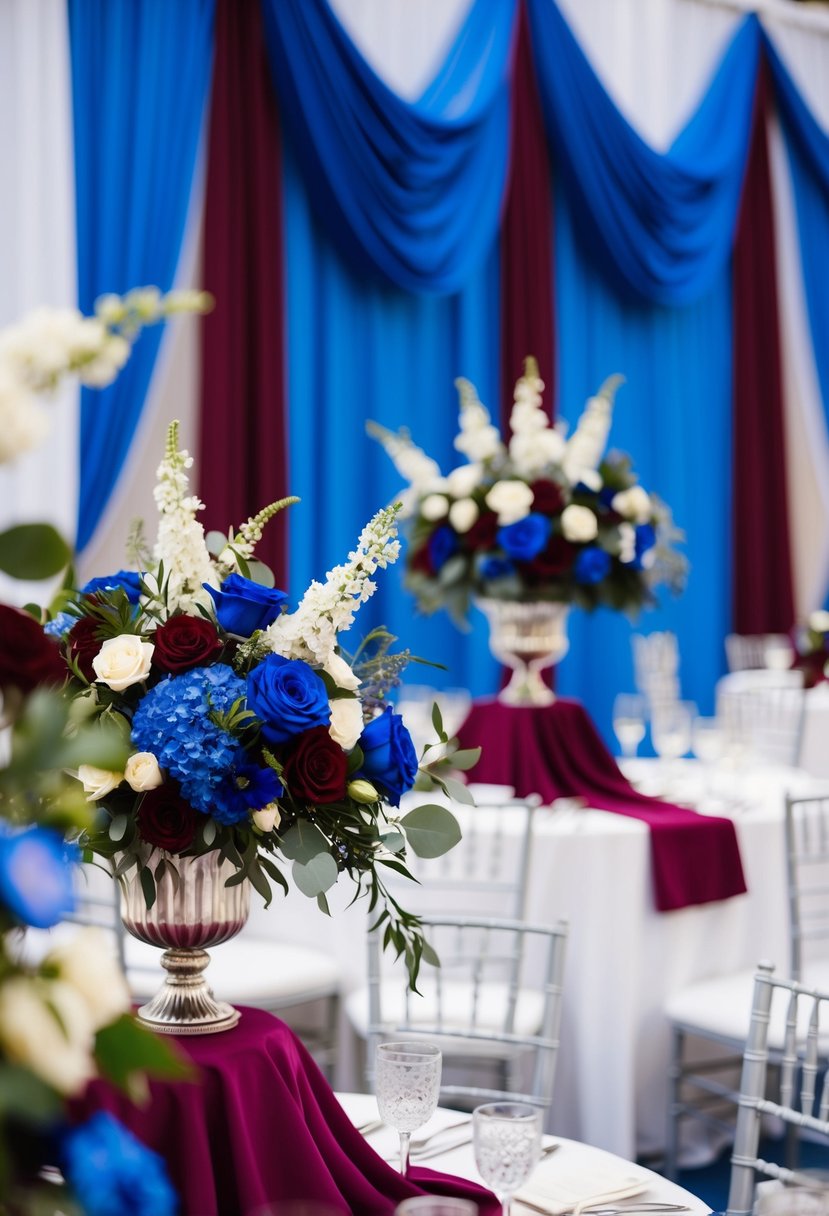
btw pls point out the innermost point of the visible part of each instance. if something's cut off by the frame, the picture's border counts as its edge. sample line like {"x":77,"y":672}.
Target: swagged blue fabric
{"x":140,"y":74}
{"x":410,"y":189}
{"x":662,"y":222}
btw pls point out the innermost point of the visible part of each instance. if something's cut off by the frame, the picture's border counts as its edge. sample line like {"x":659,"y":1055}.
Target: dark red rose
{"x":316,"y":768}
{"x":421,"y":560}
{"x":166,"y":820}
{"x":482,"y":533}
{"x":185,"y":642}
{"x":548,"y":497}
{"x":28,"y":657}
{"x":83,"y":643}
{"x":552,"y":562}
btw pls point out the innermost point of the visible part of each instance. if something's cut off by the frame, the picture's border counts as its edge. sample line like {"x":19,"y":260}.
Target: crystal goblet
{"x":507,"y":1138}
{"x":407,"y":1085}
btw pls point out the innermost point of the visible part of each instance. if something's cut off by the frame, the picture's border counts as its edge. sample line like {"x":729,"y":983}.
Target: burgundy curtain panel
{"x":763,"y":601}
{"x":243,"y":443}
{"x":526,"y":236}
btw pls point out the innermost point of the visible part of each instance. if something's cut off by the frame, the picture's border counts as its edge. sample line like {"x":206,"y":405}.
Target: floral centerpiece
{"x":812,"y":649}
{"x":254,"y":740}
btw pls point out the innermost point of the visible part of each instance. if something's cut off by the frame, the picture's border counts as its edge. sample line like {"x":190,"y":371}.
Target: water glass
{"x":436,"y":1205}
{"x":671,"y":728}
{"x":629,"y":722}
{"x":507,"y":1139}
{"x":407,"y":1085}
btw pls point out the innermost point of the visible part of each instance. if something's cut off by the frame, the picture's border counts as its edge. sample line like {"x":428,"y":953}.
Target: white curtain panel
{"x":37,"y":246}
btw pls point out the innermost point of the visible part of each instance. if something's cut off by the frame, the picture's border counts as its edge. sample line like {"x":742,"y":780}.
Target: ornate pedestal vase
{"x":526,"y":637}
{"x":187,"y":916}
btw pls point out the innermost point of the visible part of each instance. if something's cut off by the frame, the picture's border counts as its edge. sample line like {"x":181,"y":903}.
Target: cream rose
{"x":98,"y":782}
{"x":267,"y":817}
{"x":142,"y":772}
{"x":346,"y":721}
{"x":463,"y":513}
{"x":341,"y":672}
{"x":579,"y":524}
{"x":819,"y":621}
{"x":56,"y":1044}
{"x":434,"y":507}
{"x":123,"y":661}
{"x":88,"y":963}
{"x":633,"y":503}
{"x":510,"y":500}
{"x":464,"y":479}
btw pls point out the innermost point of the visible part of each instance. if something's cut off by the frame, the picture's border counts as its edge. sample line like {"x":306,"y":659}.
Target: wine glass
{"x":629,"y":722}
{"x":436,"y":1205}
{"x":507,"y":1138}
{"x":708,"y":745}
{"x":407,"y":1084}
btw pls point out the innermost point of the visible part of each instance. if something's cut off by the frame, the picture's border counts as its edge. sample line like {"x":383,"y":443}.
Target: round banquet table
{"x":260,"y":1125}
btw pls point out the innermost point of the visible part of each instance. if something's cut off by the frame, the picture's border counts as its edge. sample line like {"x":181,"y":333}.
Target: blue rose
{"x":592,"y":565}
{"x":243,"y":606}
{"x":525,"y":539}
{"x":129,"y":582}
{"x":288,"y":697}
{"x":36,"y":874}
{"x":114,"y":1174}
{"x":645,"y":541}
{"x":493,"y":567}
{"x":389,"y":757}
{"x":442,"y":544}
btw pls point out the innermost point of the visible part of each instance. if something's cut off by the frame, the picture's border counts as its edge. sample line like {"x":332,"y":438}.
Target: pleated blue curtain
{"x":140,"y":74}
{"x":408,"y":190}
{"x":662,"y":222}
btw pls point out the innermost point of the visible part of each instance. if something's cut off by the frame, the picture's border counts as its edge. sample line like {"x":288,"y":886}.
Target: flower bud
{"x":268,"y":817}
{"x":362,"y":791}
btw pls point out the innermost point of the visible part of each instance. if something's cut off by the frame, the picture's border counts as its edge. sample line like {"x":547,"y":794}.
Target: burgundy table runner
{"x":261,"y":1125}
{"x":557,"y":752}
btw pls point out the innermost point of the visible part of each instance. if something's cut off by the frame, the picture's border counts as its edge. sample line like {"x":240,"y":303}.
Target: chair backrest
{"x":746,"y":651}
{"x":495,"y":997}
{"x":765,"y":722}
{"x":97,"y":903}
{"x":803,"y":1099}
{"x":486,"y":872}
{"x":807,"y":871}
{"x":656,"y":665}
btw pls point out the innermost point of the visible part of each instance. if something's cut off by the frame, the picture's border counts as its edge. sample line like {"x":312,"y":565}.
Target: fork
{"x":645,"y":1207}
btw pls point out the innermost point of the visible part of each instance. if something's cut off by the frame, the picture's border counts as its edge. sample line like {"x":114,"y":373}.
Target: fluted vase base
{"x":527,"y":637}
{"x":185,"y":1004}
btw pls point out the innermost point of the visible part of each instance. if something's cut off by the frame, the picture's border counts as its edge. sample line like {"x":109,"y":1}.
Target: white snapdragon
{"x":532,"y":451}
{"x":123,"y":661}
{"x":478,"y":439}
{"x":180,"y":544}
{"x":87,"y":962}
{"x":634,"y":504}
{"x":142,"y":772}
{"x":434,"y":507}
{"x":579,"y":524}
{"x":510,"y":500}
{"x":23,"y":421}
{"x":46,"y":1026}
{"x":346,"y":721}
{"x":463,"y":514}
{"x":585,"y":447}
{"x":411,"y":462}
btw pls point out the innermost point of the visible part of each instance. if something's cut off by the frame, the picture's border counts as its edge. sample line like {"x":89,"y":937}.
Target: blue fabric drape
{"x":412,"y":190}
{"x":673,"y":414}
{"x":663,"y":223}
{"x":359,"y":350}
{"x":139,"y":79}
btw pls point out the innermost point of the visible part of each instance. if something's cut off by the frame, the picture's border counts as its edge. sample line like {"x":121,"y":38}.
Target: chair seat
{"x":720,"y":1008}
{"x":246,"y":971}
{"x":456,"y":1014}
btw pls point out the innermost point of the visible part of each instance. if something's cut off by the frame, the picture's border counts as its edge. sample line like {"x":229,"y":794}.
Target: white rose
{"x":463,"y":513}
{"x":510,"y":500}
{"x":819,"y":621}
{"x":56,"y":1046}
{"x":123,"y":661}
{"x":341,"y":672}
{"x":346,"y":721}
{"x":463,"y":480}
{"x":142,"y":772}
{"x":633,"y":503}
{"x":89,"y":964}
{"x":434,"y":507}
{"x":579,"y":524}
{"x":98,"y":782}
{"x":267,"y":817}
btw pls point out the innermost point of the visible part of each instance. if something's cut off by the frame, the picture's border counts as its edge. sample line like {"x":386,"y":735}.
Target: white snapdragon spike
{"x":422,"y":473}
{"x":585,"y":448}
{"x":477,"y":439}
{"x":180,"y":544}
{"x":23,"y":421}
{"x":328,"y":608}
{"x":532,"y":451}
{"x":633,"y":504}
{"x":248,"y":537}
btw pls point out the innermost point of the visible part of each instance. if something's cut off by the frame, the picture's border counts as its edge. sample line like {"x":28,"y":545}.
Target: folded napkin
{"x":559,"y":1189}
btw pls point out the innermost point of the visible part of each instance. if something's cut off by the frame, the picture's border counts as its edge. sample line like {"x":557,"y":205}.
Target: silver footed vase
{"x":187,"y":917}
{"x":527,"y":637}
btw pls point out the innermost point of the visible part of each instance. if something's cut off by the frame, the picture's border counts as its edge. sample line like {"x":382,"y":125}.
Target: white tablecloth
{"x":624,"y":958}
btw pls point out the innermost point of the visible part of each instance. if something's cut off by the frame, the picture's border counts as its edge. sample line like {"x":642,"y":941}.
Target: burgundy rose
{"x":316,"y":768}
{"x":185,"y":642}
{"x":552,"y":562}
{"x":28,"y":657}
{"x":83,"y":643}
{"x":166,"y":820}
{"x":421,"y":561}
{"x":482,"y":533}
{"x":548,"y":497}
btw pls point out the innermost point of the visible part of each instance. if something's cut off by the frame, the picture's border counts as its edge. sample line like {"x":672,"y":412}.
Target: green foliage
{"x":33,"y":551}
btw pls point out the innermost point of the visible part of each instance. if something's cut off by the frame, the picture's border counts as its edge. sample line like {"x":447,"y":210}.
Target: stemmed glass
{"x":407,"y":1083}
{"x":507,"y":1137}
{"x":629,"y":722}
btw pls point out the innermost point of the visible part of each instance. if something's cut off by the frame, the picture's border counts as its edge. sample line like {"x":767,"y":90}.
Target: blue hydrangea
{"x":114,"y":1174}
{"x":173,"y":723}
{"x":60,"y":625}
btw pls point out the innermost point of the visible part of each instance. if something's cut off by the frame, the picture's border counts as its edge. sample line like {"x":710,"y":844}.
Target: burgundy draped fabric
{"x":243,"y":444}
{"x":261,"y":1126}
{"x":526,"y":236}
{"x":556,"y":751}
{"x":762,"y":575}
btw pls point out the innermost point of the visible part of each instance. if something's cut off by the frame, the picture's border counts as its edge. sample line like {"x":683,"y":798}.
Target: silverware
{"x":420,"y":1142}
{"x":437,"y":1150}
{"x":371,"y":1125}
{"x":607,"y":1210}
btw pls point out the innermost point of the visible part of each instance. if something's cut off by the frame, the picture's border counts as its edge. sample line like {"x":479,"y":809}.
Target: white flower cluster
{"x":49,"y":1024}
{"x":243,"y":543}
{"x":180,"y":544}
{"x":534,"y":443}
{"x":477,"y":439}
{"x":419,"y":470}
{"x":328,"y":608}
{"x":585,"y":448}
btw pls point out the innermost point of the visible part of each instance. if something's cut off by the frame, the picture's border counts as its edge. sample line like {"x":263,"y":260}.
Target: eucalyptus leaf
{"x":303,"y":842}
{"x":262,"y":574}
{"x":148,"y":886}
{"x":208,"y":831}
{"x":394,"y":841}
{"x":117,"y":828}
{"x":33,"y":551}
{"x":316,"y":876}
{"x":466,"y":758}
{"x":431,"y":830}
{"x":26,"y":1097}
{"x":457,"y":790}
